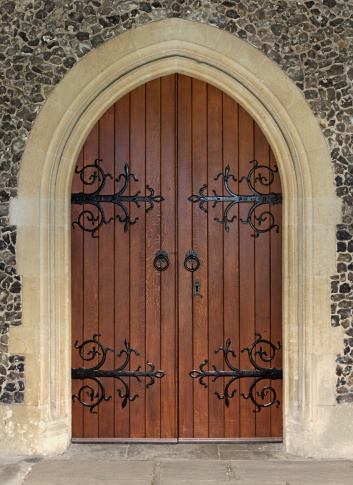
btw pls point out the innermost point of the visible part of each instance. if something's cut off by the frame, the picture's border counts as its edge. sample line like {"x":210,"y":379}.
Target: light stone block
{"x":324,"y":245}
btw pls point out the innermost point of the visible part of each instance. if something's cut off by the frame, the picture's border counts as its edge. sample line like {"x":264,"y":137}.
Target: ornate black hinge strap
{"x":257,"y":199}
{"x":259,"y":373}
{"x":88,"y":175}
{"x":95,"y":373}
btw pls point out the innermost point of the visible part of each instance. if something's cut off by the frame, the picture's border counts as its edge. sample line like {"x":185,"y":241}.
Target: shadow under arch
{"x":310,"y":213}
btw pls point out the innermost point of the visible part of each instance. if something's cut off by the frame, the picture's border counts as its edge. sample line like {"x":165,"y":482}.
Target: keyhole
{"x":197,"y":288}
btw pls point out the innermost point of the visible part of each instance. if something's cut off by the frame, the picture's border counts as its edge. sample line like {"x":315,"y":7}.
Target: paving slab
{"x":105,"y":452}
{"x":197,"y":482}
{"x":13,"y":469}
{"x":221,"y":482}
{"x":78,"y":481}
{"x":179,"y":464}
{"x":270,"y":482}
{"x":13,"y":473}
{"x":293,"y":472}
{"x":255,"y":451}
{"x":247,"y":455}
{"x":252,"y":446}
{"x":178,"y":451}
{"x":194,"y":471}
{"x":263,"y":482}
{"x":46,"y":471}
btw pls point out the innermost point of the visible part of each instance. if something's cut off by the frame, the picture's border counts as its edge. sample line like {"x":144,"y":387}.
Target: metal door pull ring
{"x":191,"y":258}
{"x":161,"y":260}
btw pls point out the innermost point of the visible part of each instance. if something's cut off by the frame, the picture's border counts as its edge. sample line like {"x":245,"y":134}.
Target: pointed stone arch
{"x":314,"y":424}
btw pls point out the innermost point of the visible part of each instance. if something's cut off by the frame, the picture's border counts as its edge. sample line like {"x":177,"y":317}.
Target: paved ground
{"x":176,"y":464}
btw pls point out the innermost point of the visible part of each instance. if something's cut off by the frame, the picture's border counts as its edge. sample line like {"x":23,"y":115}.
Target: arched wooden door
{"x":167,"y":139}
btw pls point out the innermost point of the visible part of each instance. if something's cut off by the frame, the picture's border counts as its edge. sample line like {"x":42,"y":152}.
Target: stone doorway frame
{"x":314,"y":424}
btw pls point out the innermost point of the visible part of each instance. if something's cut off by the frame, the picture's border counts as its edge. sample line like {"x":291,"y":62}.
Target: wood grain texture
{"x":90,"y":281}
{"x":77,"y":299}
{"x":153,"y":244}
{"x":215,"y":260}
{"x":231,"y":257}
{"x":262,"y":277}
{"x":122,"y":261}
{"x":276,"y":303}
{"x":246,"y":273}
{"x":138,"y":260}
{"x":106,"y":269}
{"x":200,"y":245}
{"x":185,"y":334}
{"x":168,"y":331}
{"x":176,"y":134}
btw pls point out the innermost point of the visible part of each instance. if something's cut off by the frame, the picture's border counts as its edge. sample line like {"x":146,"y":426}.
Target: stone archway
{"x":313,"y":422}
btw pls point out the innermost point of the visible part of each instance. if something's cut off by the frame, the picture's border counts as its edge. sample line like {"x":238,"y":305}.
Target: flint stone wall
{"x":40,"y":41}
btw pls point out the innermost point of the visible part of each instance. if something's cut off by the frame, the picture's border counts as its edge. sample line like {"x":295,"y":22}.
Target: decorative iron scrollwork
{"x":191,"y":258}
{"x":257,"y":199}
{"x":161,"y":260}
{"x":259,"y":373}
{"x":89,"y":174}
{"x":95,"y":373}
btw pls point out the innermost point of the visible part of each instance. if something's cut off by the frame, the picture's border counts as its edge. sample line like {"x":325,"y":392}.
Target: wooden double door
{"x":175,"y":134}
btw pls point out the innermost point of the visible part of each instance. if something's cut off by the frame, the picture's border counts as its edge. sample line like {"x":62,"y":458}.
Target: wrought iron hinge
{"x":94,"y":373}
{"x":259,"y":373}
{"x":257,"y":199}
{"x":95,"y":172}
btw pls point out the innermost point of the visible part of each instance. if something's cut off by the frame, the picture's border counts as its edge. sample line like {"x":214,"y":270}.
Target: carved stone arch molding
{"x":314,"y":425}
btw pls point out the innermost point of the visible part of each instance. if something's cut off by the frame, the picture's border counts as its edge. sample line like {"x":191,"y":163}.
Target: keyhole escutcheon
{"x":197,"y":289}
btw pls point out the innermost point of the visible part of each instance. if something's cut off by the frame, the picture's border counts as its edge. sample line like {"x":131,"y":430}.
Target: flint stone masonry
{"x":40,"y":41}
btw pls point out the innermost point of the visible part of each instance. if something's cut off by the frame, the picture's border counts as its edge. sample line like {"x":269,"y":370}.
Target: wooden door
{"x":175,"y":134}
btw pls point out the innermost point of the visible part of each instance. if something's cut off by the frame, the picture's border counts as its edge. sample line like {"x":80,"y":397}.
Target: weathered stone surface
{"x":41,"y":40}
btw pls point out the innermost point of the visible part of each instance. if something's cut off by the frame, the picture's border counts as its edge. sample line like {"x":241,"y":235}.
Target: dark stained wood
{"x":215,"y":259}
{"x":185,"y":357}
{"x":199,"y":347}
{"x":153,"y":244}
{"x":121,"y":260}
{"x":231,"y":257}
{"x":246,"y":273}
{"x":106,"y":268}
{"x":138,"y":261}
{"x":90,"y":281}
{"x":77,"y":298}
{"x":262,"y":277}
{"x":176,"y":133}
{"x":168,"y":331}
{"x":276,"y":305}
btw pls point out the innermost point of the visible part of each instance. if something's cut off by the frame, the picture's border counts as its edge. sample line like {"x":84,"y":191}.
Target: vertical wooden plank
{"x":168,"y":239}
{"x":215,"y":260}
{"x":153,"y":244}
{"x":122,"y":260}
{"x":137,"y":261}
{"x":246,"y":272}
{"x":276,"y":303}
{"x":200,"y":245}
{"x":90,"y":282}
{"x":106,"y":270}
{"x":262,"y":277}
{"x":186,"y":364}
{"x":231,"y":258}
{"x":77,"y":301}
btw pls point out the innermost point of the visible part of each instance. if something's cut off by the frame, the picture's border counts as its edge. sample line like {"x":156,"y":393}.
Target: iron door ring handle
{"x":161,"y":260}
{"x":191,"y":257}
